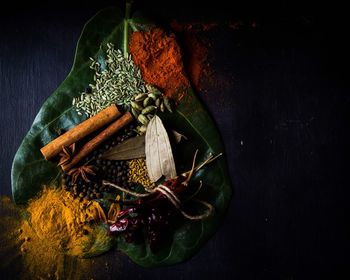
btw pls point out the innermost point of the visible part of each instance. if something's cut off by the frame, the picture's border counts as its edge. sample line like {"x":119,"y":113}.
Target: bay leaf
{"x":129,"y":149}
{"x":159,"y":156}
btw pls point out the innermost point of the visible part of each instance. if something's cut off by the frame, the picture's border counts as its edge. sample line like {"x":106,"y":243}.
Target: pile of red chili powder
{"x":158,"y":56}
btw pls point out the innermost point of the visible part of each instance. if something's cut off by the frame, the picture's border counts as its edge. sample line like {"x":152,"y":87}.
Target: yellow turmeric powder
{"x":58,"y":227}
{"x":25,"y":255}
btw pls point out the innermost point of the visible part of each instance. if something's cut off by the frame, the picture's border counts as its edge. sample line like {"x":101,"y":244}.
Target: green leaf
{"x":30,"y":171}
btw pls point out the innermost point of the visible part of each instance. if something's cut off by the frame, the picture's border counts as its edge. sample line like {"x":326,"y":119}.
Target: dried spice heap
{"x":57,"y":225}
{"x":104,"y":169}
{"x":116,"y":81}
{"x":158,"y":56}
{"x":138,"y":173}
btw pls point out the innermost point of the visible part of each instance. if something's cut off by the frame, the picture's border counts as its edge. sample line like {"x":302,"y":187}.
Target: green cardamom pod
{"x":162,"y":106}
{"x":148,"y":109}
{"x":140,"y":97}
{"x":134,"y":112}
{"x":142,"y":119}
{"x":149,"y":87}
{"x":153,"y":89}
{"x":148,"y":101}
{"x":135,"y":105}
{"x":153,"y":96}
{"x":143,"y":128}
{"x":149,"y":116}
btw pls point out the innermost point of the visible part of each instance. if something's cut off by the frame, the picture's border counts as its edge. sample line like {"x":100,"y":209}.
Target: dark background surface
{"x":280,"y":103}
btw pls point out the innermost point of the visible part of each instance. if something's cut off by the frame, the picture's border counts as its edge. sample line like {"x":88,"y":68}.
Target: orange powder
{"x":158,"y":56}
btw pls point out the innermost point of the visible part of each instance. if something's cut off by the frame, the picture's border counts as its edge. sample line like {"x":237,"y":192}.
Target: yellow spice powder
{"x":56,"y":228}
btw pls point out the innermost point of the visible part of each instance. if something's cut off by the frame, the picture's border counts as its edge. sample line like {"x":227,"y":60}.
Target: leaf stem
{"x":126,"y":27}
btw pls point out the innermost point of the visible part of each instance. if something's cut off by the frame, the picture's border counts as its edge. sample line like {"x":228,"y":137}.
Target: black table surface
{"x":280,"y":103}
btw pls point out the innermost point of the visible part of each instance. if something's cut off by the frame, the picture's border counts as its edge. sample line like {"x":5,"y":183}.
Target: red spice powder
{"x":196,"y":63}
{"x":195,"y":50}
{"x":158,"y":56}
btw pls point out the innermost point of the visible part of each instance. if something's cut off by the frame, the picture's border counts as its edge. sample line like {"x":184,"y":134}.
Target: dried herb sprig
{"x":117,"y":80}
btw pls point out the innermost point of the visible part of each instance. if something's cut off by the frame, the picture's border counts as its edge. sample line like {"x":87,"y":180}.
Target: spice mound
{"x":57,"y":225}
{"x":158,"y":56}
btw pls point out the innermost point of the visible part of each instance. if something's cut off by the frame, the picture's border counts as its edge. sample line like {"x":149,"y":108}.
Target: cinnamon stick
{"x":97,"y":140}
{"x":80,"y":131}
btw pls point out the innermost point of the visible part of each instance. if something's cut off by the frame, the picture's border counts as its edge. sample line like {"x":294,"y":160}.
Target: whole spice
{"x":137,"y":173}
{"x":116,"y":81}
{"x":168,"y":190}
{"x":112,"y":170}
{"x":80,"y":131}
{"x":97,"y":140}
{"x":159,"y":156}
{"x":130,"y":149}
{"x":144,"y":106}
{"x":155,"y":208}
{"x":66,"y":154}
{"x":114,"y":210}
{"x":82,"y":171}
{"x":115,"y":171}
{"x":158,"y":56}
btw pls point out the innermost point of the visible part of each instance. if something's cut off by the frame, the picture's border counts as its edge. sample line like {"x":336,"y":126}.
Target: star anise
{"x":82,"y":171}
{"x":66,"y":154}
